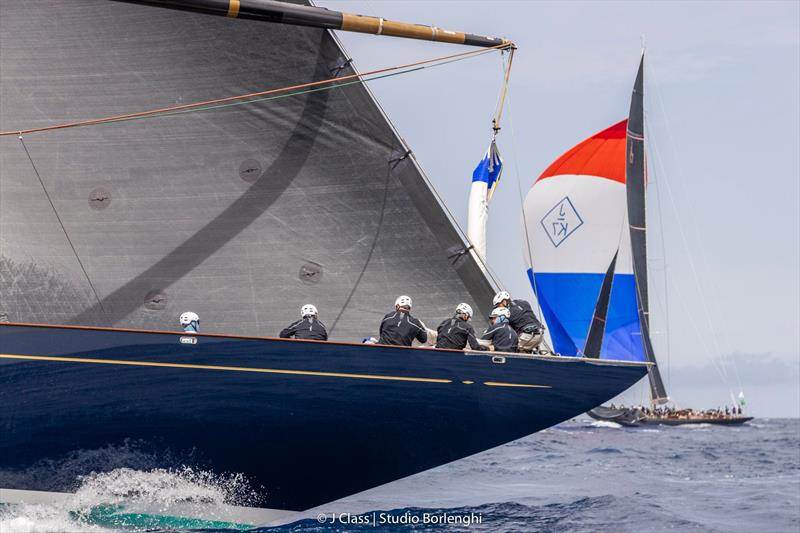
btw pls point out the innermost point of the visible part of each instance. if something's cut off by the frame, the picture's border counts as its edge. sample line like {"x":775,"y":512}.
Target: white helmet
{"x":501,"y":311}
{"x":188,"y":317}
{"x":403,"y":301}
{"x":499,"y":297}
{"x":464,"y":309}
{"x":308,"y":310}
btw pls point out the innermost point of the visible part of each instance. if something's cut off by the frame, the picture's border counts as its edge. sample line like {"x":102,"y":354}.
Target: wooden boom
{"x":319,"y":17}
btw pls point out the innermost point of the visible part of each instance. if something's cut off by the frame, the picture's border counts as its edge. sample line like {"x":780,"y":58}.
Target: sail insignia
{"x":577,"y":226}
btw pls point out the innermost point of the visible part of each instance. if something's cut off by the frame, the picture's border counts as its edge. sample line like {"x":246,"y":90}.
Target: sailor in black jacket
{"x":455,"y":333}
{"x":500,"y":333}
{"x":522,"y":319}
{"x":400,"y":328}
{"x":308,"y":327}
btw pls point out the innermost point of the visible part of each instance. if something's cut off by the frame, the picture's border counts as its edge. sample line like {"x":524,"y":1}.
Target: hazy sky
{"x":721,"y":85}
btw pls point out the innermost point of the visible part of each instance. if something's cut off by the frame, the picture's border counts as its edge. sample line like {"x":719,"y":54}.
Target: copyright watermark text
{"x":382,"y":518}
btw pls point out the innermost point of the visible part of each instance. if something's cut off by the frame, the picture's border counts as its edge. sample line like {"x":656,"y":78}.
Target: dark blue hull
{"x":305,"y":422}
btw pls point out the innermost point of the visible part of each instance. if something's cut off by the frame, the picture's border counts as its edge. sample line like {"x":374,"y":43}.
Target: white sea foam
{"x":605,"y":424}
{"x":155,"y":492}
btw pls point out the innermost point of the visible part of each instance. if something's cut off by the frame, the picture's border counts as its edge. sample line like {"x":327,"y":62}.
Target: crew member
{"x":500,"y":333}
{"x":455,"y":333}
{"x":400,"y":328}
{"x":308,"y":327}
{"x":190,"y":322}
{"x":522,"y":319}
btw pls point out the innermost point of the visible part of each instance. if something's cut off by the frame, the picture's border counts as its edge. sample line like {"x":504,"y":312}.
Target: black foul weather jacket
{"x":307,"y":328}
{"x":400,"y":328}
{"x":455,"y":333}
{"x":522,"y":316}
{"x":502,"y":336}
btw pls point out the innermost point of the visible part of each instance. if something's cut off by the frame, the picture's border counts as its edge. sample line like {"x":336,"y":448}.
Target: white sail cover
{"x":576,"y":216}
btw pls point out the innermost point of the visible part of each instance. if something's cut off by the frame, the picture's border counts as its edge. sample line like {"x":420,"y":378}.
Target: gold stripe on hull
{"x":255,"y":370}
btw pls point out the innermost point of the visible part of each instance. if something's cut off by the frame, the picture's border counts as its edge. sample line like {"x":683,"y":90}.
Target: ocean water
{"x":579,"y":476}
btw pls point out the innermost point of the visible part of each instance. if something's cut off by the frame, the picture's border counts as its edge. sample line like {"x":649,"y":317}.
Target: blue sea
{"x":579,"y":476}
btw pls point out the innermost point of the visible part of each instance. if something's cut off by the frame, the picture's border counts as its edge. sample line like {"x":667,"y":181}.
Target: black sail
{"x":594,"y":340}
{"x":241,"y":213}
{"x":636,"y":183}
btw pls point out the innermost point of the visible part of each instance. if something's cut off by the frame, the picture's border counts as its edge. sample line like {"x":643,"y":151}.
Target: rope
{"x":372,"y":247}
{"x":540,"y":315}
{"x":656,"y":178}
{"x":206,"y":103}
{"x":689,"y":255}
{"x":498,"y":112}
{"x":720,"y":368}
{"x":61,"y":223}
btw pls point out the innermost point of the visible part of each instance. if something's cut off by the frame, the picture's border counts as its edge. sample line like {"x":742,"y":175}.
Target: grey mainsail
{"x":240,"y":213}
{"x":636,"y":184}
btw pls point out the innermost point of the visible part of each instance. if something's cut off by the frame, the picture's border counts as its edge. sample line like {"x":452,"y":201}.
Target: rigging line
{"x":498,"y":112}
{"x":389,"y":167}
{"x":61,"y":223}
{"x":723,"y":377}
{"x":664,"y":258}
{"x":693,"y":268}
{"x":540,"y":316}
{"x":276,"y":97}
{"x":718,"y":366}
{"x":702,"y":248}
{"x":90,"y":122}
{"x":287,"y":95}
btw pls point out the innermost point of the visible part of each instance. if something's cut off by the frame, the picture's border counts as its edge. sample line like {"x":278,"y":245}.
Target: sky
{"x":722,"y":98}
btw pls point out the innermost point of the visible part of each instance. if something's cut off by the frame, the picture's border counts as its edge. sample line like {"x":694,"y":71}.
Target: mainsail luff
{"x":318,"y":17}
{"x":636,"y":184}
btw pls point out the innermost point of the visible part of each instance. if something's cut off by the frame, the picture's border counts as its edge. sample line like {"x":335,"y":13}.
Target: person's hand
{"x":491,"y":347}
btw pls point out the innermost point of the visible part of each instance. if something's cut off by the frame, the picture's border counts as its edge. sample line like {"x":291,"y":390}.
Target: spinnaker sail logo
{"x":561,"y":221}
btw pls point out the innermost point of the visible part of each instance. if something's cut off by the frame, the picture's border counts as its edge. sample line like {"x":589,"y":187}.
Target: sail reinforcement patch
{"x":250,"y":170}
{"x":155,"y":300}
{"x":310,"y":272}
{"x":99,"y":198}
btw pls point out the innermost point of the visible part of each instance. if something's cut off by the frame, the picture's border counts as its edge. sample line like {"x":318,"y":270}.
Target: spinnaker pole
{"x":320,"y":17}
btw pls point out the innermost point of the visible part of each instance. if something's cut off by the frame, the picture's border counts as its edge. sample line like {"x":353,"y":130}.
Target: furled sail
{"x":576,"y":217}
{"x":485,"y":178}
{"x":241,"y":213}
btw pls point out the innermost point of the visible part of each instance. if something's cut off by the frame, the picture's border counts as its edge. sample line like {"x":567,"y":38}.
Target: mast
{"x":319,"y":17}
{"x":636,"y":184}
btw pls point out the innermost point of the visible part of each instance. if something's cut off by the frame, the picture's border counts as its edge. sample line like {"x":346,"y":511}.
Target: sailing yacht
{"x":586,"y":229}
{"x":225,"y":157}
